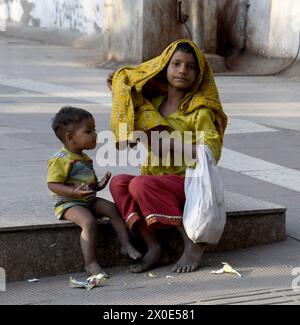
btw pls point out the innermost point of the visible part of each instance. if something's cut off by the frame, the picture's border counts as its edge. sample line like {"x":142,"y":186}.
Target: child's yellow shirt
{"x":68,"y":168}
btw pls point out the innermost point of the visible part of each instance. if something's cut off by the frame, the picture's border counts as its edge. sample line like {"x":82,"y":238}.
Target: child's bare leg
{"x":88,"y":239}
{"x":108,"y":209}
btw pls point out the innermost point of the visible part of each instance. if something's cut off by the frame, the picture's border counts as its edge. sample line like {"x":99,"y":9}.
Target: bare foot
{"x":191,"y":259}
{"x":128,"y":249}
{"x":154,"y":257}
{"x":95,"y":269}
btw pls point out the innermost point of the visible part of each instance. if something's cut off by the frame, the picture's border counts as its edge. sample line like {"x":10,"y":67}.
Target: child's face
{"x":182,"y":70}
{"x":85,"y":136}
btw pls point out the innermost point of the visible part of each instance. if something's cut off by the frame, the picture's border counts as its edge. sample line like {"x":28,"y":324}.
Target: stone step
{"x":216,"y":62}
{"x":43,"y":247}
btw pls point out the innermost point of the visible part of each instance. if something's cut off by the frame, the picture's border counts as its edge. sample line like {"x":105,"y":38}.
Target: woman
{"x":174,"y":92}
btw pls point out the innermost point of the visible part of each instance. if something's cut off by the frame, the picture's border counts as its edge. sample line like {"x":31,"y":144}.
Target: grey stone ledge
{"x":237,"y":205}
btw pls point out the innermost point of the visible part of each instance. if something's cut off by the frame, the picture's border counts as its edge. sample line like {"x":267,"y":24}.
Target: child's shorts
{"x":63,"y":207}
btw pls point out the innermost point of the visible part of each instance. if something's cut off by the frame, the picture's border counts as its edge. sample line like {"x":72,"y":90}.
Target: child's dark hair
{"x":66,"y":119}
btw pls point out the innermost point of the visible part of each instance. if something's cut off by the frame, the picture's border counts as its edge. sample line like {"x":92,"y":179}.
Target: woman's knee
{"x":119,"y":181}
{"x":137,"y":186}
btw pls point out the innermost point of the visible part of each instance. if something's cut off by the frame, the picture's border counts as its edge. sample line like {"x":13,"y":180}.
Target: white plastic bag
{"x":204,"y":215}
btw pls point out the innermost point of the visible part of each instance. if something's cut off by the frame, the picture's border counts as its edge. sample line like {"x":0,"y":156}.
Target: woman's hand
{"x":158,"y":141}
{"x":109,"y":79}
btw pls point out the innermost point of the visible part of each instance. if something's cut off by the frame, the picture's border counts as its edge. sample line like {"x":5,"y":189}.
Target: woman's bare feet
{"x":191,"y":258}
{"x":94,"y":269}
{"x":128,"y":249}
{"x":154,"y":257}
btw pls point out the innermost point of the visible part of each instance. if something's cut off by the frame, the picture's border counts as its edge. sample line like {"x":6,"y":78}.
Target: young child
{"x":73,"y":183}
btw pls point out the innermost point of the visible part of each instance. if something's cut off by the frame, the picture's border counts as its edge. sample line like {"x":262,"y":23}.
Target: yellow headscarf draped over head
{"x":132,"y":111}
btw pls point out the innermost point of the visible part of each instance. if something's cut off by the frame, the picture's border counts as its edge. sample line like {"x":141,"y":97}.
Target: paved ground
{"x":261,"y":159}
{"x":266,"y":279}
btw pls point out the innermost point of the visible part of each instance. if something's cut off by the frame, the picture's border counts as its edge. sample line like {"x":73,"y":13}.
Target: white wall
{"x":85,"y":16}
{"x":273,"y":27}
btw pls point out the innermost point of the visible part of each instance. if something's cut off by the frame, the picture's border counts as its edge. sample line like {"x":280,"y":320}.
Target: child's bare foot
{"x":104,"y":180}
{"x":154,"y":257}
{"x":95,"y":269}
{"x":128,"y":249}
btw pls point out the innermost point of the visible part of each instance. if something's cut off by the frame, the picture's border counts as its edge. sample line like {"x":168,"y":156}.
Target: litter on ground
{"x":152,"y":275}
{"x":227,"y":269}
{"x":90,"y":283}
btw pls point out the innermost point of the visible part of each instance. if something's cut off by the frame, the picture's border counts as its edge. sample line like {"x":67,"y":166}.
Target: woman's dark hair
{"x":186,"y":48}
{"x":67,"y":118}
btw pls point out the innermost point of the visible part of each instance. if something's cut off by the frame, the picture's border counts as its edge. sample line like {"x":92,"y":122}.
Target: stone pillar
{"x":160,"y":26}
{"x":138,"y":30}
{"x":135,"y":31}
{"x":203,"y":23}
{"x":196,"y":22}
{"x":123,"y":30}
{"x":210,"y":25}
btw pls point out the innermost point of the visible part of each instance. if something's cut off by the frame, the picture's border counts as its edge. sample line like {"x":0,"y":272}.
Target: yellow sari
{"x":199,"y":110}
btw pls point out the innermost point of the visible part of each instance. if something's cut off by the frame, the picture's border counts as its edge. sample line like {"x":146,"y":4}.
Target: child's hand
{"x":103,"y":182}
{"x":82,"y":191}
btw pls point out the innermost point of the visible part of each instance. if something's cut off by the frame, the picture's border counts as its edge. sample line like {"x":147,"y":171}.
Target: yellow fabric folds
{"x":132,"y":111}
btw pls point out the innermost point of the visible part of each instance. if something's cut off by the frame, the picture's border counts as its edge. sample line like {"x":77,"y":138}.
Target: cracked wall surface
{"x":74,"y":15}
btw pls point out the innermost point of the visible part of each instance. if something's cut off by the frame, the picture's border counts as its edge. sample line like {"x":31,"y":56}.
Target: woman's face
{"x":182,"y":70}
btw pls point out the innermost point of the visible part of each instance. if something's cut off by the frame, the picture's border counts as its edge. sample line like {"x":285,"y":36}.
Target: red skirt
{"x":159,"y":200}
